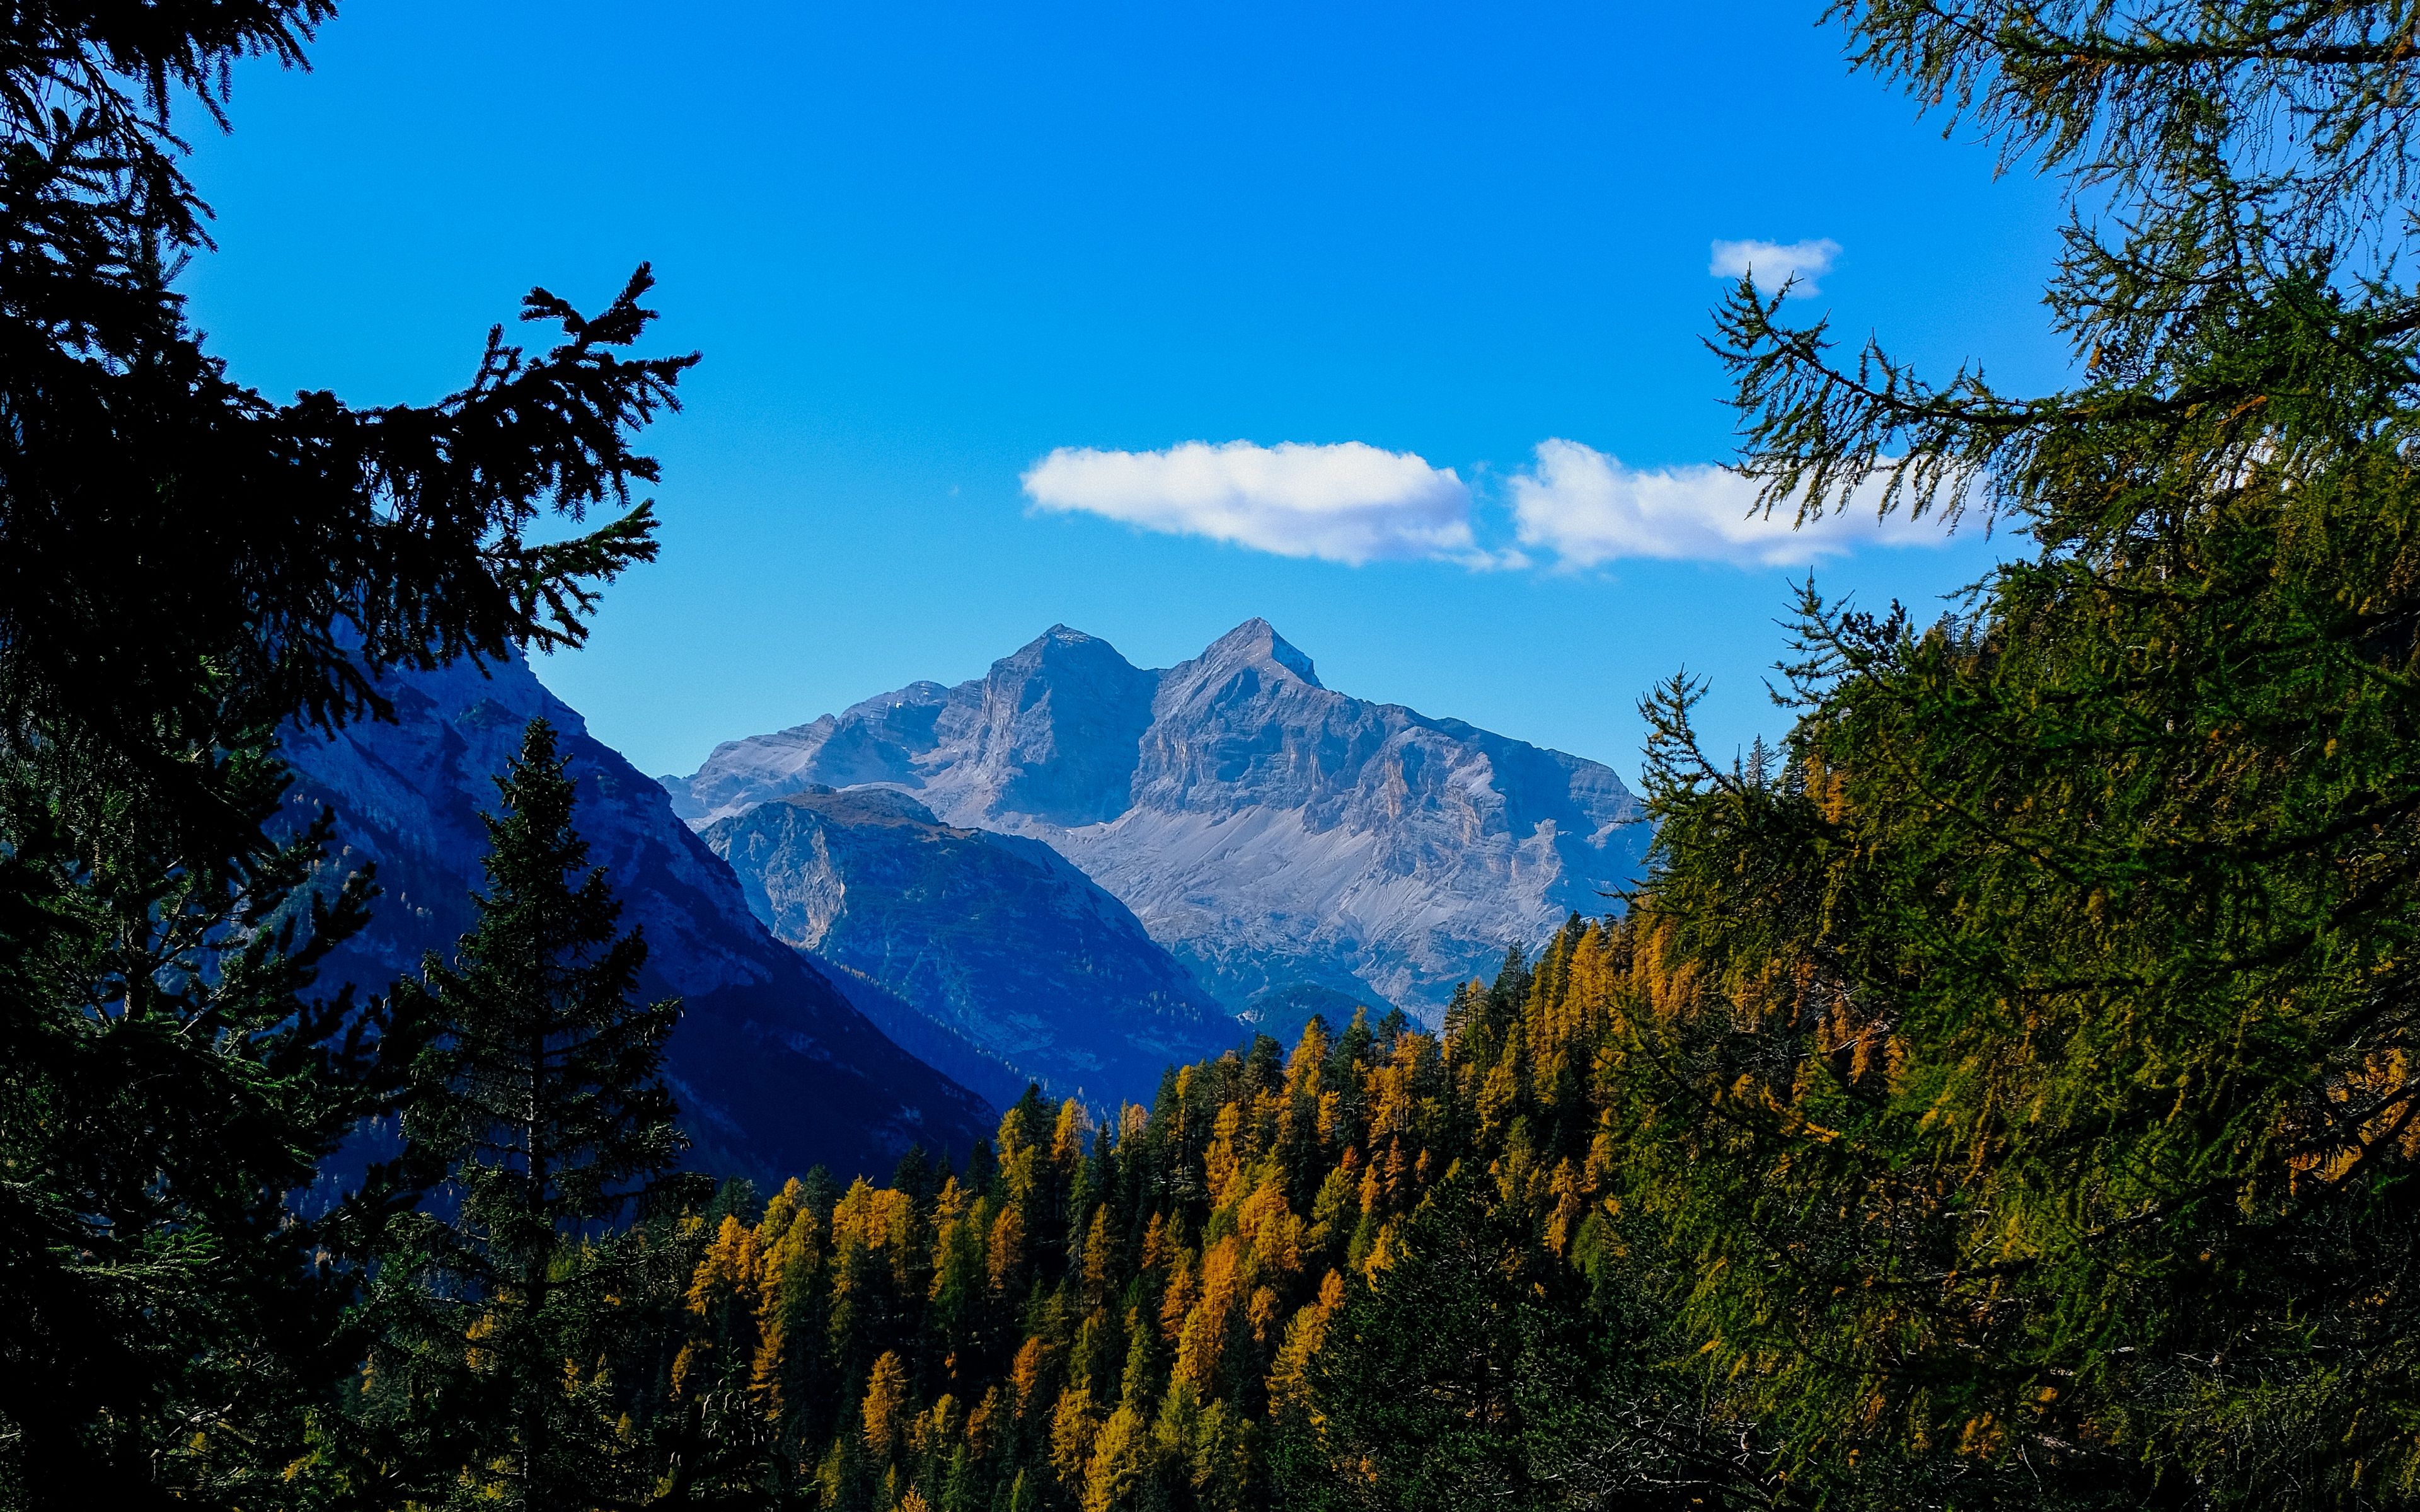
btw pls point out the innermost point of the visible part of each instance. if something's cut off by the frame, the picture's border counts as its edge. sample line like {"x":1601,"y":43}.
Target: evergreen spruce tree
{"x":185,"y":566}
{"x":540,"y":1114}
{"x":169,"y":1076}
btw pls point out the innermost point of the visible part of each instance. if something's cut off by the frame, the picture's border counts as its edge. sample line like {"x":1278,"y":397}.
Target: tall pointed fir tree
{"x":539,"y":1114}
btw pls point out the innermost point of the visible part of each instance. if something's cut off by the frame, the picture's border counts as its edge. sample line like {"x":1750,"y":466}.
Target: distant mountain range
{"x":1298,"y":849}
{"x":1070,"y":869}
{"x":774,"y":1064}
{"x":994,"y":937}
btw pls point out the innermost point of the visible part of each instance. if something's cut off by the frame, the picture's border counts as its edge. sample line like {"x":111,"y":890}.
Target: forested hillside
{"x":1376,"y":1269}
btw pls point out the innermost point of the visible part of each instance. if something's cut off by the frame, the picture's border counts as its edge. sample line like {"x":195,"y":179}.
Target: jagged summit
{"x":1256,"y":643}
{"x":1269,"y":830}
{"x":1064,"y":645}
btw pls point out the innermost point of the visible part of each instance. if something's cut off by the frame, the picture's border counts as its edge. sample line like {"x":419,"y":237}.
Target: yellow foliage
{"x":1304,"y":1065}
{"x":1382,"y":1254}
{"x":983,"y":1424}
{"x":1201,"y":1339}
{"x":1025,"y":1374}
{"x":1101,"y":1253}
{"x":765,"y":1372}
{"x":1262,"y":1313}
{"x":728,"y":1270}
{"x":1072,"y":1428}
{"x":1383,"y":1137}
{"x":936,"y":1427}
{"x":1224,"y":1162}
{"x":1067,"y":1140}
{"x":1499,"y":1097}
{"x":1271,"y":1229}
{"x":950,"y":1203}
{"x":1157,"y":1249}
{"x":1007,"y":1248}
{"x":1120,"y":1456}
{"x":853,"y":1217}
{"x":685,"y":1364}
{"x":1308,"y":1329}
{"x":1177,"y":1300}
{"x":886,"y":1395}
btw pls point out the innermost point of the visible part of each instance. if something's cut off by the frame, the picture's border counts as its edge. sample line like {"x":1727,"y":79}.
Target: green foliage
{"x":170,"y":1077}
{"x":2031,"y":1057}
{"x":538,"y":1112}
{"x":541,"y":1094}
{"x":185,"y":567}
{"x":1476,"y":1369}
{"x":2003,"y":1093}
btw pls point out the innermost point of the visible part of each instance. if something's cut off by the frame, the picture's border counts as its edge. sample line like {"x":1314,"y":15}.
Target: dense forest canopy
{"x":2000,"y":1093}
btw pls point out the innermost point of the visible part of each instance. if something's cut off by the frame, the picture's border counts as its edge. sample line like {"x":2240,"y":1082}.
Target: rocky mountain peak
{"x":1055,"y":732}
{"x":1270,"y":831}
{"x":1064,"y":648}
{"x":1256,"y":643}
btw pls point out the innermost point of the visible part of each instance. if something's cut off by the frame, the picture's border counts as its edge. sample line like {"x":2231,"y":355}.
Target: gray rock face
{"x":994,"y":937}
{"x":774,"y":1069}
{"x":1266,"y":829}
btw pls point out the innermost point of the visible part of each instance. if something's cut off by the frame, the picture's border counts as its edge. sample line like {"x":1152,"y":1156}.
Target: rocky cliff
{"x":1271,"y":832}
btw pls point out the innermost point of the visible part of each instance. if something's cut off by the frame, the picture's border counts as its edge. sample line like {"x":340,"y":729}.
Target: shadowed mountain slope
{"x":774,"y":1070}
{"x":994,"y":936}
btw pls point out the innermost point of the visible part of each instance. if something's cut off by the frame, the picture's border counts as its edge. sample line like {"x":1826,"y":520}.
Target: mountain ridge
{"x":1267,"y":829}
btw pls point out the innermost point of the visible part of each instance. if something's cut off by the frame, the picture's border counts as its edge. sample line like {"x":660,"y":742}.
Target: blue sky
{"x":928,"y":249}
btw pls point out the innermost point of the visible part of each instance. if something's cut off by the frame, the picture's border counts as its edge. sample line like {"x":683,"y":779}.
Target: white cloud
{"x":1586,"y":508}
{"x":1573,"y":507}
{"x":1350,"y":503}
{"x":1776,"y":263}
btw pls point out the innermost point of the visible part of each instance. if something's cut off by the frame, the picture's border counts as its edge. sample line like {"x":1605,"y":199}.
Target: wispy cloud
{"x":1350,"y":503}
{"x":1775,"y":263}
{"x":1586,"y":508}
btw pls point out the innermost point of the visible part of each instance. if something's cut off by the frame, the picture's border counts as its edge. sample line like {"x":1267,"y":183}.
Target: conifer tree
{"x":2029,"y":1058}
{"x":1473,"y":1371}
{"x":186,"y":567}
{"x":540,"y":1113}
{"x":169,"y":1075}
